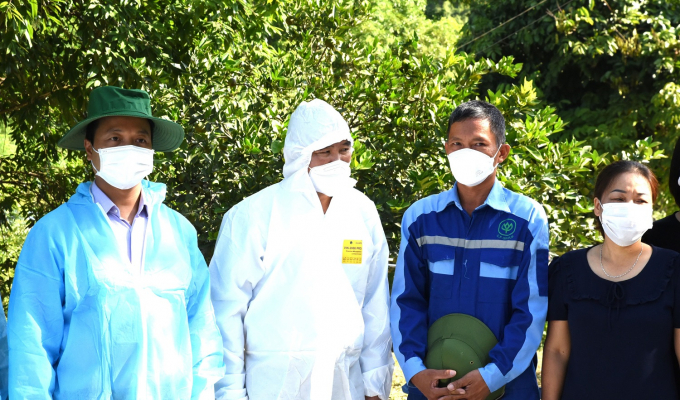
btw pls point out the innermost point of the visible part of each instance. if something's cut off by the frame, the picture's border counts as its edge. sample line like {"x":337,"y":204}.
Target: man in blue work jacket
{"x":476,"y":249}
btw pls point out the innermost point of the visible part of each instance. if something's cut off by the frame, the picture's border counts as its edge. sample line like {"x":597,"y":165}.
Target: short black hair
{"x":674,"y":175}
{"x":477,"y":109}
{"x":91,"y":128}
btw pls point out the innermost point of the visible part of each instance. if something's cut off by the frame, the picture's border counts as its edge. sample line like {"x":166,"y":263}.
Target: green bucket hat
{"x":462,"y":343}
{"x":111,"y":101}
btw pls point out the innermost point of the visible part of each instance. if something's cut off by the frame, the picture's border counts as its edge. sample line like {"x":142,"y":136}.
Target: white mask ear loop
{"x":146,"y":177}
{"x":96,"y":171}
{"x":494,"y":156}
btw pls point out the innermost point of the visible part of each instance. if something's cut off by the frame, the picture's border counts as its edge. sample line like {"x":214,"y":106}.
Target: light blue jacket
{"x":84,"y":324}
{"x":3,"y":355}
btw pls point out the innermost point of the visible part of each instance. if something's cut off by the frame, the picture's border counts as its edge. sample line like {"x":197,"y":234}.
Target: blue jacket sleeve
{"x":522,"y":335}
{"x":36,"y":319}
{"x":206,"y":341}
{"x":408,"y":313}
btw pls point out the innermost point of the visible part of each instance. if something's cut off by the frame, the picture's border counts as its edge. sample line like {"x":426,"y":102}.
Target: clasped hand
{"x":469,"y":387}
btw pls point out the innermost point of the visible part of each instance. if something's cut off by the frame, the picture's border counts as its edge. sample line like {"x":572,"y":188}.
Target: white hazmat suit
{"x":301,"y":297}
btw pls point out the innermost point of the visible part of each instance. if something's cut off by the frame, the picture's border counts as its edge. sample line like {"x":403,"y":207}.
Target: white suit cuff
{"x":378,"y":381}
{"x":231,"y":387}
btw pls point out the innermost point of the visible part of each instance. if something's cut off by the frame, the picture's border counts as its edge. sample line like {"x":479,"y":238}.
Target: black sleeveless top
{"x":621,"y":332}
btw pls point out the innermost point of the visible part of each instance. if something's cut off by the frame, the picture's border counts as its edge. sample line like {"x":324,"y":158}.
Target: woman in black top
{"x":666,"y":231}
{"x":614,"y":309}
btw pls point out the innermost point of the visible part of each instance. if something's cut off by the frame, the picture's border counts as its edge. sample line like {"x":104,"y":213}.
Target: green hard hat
{"x":111,"y":101}
{"x":462,"y":343}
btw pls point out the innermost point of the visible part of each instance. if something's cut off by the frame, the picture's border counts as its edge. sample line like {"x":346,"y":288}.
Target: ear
{"x":503,"y":153}
{"x":597,"y":207}
{"x":447,"y":148}
{"x":88,"y":149}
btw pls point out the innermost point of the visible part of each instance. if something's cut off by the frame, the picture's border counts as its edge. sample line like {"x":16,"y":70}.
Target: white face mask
{"x":471,"y":167}
{"x":625,"y":223}
{"x":124,"y":167}
{"x":332,"y":178}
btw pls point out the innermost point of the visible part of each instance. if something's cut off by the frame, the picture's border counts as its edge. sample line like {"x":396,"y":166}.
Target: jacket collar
{"x":495,"y":199}
{"x":152,"y":192}
{"x":109,"y":206}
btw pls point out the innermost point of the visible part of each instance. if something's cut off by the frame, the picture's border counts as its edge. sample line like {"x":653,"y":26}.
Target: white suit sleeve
{"x":376,"y":356}
{"x":235,"y":269}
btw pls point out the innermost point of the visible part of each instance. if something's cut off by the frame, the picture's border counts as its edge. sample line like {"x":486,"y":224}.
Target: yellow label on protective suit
{"x":352,"y":251}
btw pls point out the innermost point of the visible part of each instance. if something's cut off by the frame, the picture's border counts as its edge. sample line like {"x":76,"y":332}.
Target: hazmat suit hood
{"x":313,"y":126}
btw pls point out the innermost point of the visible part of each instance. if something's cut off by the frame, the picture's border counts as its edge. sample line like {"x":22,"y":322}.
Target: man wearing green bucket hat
{"x":469,"y":297}
{"x":111,"y":296}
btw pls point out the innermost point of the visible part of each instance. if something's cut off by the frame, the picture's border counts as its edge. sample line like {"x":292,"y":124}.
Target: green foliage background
{"x":231,"y":72}
{"x":610,"y":68}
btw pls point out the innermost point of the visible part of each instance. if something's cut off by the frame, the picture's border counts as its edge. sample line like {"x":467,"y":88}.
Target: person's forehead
{"x":472,"y":127}
{"x":338,"y":144}
{"x":629,"y":182}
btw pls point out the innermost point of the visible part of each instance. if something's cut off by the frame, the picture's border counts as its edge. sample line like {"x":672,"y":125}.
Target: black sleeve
{"x":557,"y":301}
{"x":676,"y":290}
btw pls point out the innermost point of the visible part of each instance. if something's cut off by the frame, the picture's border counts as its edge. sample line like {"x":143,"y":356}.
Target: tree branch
{"x":33,"y":100}
{"x":15,"y":183}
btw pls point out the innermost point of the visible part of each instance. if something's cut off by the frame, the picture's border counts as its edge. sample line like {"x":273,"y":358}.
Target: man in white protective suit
{"x":299,"y":277}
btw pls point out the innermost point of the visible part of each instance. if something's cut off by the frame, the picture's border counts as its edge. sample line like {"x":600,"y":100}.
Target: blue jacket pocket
{"x":487,"y":270}
{"x":496,"y":282}
{"x":441,"y":278}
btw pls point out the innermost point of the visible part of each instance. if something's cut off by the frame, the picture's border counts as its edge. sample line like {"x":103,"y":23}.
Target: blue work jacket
{"x":492,"y":265}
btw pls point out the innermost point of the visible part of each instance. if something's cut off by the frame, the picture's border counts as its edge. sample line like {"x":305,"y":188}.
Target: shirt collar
{"x":110,"y":207}
{"x":495,"y":199}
